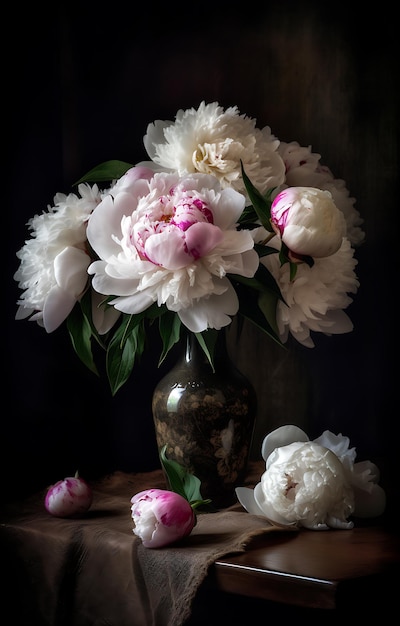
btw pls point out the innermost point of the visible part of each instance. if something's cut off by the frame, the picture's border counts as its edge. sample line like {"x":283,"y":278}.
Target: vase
{"x":206,"y":419}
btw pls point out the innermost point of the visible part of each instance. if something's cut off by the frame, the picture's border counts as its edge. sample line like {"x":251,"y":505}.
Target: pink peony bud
{"x":69,"y":497}
{"x":161,"y":517}
{"x":308,"y":221}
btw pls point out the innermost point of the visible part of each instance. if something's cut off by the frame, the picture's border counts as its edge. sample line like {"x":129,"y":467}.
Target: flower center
{"x":174,"y":231}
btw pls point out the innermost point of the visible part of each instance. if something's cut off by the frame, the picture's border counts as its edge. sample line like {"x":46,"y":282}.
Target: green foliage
{"x":105,"y":172}
{"x":81,"y":331}
{"x":284,"y":258}
{"x":207,"y":341}
{"x":170,"y":328}
{"x":126,"y":346}
{"x":261,"y":208}
{"x":182,"y":482}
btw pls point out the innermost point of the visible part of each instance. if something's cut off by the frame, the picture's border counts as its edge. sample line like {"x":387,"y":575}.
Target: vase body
{"x":206,"y":419}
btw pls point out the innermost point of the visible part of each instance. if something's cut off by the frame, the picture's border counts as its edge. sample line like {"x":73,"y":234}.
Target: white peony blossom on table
{"x":313,"y":484}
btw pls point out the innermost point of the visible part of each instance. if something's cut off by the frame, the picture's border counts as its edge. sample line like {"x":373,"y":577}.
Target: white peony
{"x":54,"y":262}
{"x":211,"y":140}
{"x":314,"y":484}
{"x":303,"y":168}
{"x":172,"y":241}
{"x":315,"y":299}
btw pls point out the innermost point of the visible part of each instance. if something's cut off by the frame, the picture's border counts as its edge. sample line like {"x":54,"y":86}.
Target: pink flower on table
{"x":161,"y":517}
{"x":308,"y":222}
{"x":69,"y":497}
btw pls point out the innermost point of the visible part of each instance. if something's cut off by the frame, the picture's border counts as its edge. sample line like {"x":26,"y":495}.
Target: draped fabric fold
{"x":93,"y":570}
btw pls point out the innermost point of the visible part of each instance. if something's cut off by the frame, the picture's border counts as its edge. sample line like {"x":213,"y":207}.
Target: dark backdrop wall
{"x":82,"y":89}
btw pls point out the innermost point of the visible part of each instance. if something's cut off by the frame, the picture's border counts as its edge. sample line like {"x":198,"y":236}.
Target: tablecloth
{"x":94,"y":570}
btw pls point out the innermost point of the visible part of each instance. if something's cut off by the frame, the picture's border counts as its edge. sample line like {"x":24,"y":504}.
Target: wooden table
{"x":56,"y":571}
{"x":311,"y":569}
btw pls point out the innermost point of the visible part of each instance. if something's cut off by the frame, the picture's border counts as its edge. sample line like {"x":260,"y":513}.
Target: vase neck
{"x":194,"y":351}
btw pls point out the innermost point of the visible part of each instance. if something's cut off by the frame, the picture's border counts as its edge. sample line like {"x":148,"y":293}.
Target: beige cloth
{"x":94,"y":570}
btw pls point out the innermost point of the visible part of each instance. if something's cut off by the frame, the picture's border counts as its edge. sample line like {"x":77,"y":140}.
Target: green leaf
{"x":175,"y":474}
{"x":126,"y":346}
{"x":268,"y":304}
{"x":207,"y":340}
{"x":258,"y":306}
{"x":262,"y":281}
{"x":182,"y":482}
{"x":170,"y":328}
{"x":264,"y":278}
{"x":263,"y":250}
{"x":284,"y":258}
{"x":104,"y":172}
{"x":86,"y":306}
{"x":261,"y":205}
{"x":80,"y":332}
{"x":248,"y":218}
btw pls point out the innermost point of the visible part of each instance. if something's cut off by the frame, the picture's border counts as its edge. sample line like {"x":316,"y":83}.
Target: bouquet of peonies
{"x":224,"y":221}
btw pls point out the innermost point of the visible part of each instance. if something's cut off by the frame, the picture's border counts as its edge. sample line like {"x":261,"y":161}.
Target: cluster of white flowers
{"x":188,"y":233}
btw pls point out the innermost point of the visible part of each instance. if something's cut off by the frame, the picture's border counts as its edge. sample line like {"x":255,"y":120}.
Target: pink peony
{"x":161,"y":517}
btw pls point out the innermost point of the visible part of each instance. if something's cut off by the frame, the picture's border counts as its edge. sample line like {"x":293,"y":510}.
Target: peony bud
{"x":161,"y":517}
{"x":69,"y":497}
{"x":308,"y":221}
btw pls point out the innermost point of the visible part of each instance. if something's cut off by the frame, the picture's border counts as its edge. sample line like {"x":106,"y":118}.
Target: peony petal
{"x":168,"y":250}
{"x":339,"y":322}
{"x":229,"y":208}
{"x":335,"y":522}
{"x":283,"y":454}
{"x":213,"y":312}
{"x":23,"y":312}
{"x":105,"y":222}
{"x":201,"y":238}
{"x":58,"y":306}
{"x":282,"y":436}
{"x":70,"y":270}
{"x":137,"y":303}
{"x":365,"y":474}
{"x":338,"y":444}
{"x":267,"y":509}
{"x":246,"y":499}
{"x":104,"y":317}
{"x":103,"y":283}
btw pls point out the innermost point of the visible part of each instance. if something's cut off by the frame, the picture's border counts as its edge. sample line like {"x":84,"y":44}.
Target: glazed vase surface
{"x":206,"y":419}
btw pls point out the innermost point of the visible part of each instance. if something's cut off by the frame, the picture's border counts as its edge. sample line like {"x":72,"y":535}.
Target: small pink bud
{"x":161,"y":517}
{"x":69,"y":497}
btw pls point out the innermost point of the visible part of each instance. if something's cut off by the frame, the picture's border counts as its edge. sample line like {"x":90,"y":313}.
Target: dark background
{"x":81,"y":86}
